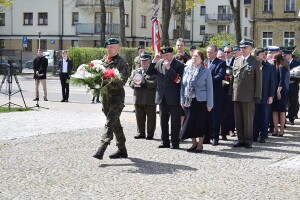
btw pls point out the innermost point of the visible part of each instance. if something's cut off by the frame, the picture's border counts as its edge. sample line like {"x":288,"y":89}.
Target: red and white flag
{"x":155,"y":36}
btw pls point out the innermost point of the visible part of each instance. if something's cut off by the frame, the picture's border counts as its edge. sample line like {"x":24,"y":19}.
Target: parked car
{"x":29,"y":64}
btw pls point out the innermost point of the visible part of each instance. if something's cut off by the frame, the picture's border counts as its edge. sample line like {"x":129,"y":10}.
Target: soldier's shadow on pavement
{"x":152,"y":167}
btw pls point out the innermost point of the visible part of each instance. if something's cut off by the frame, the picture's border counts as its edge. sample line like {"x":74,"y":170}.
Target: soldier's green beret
{"x":225,"y":44}
{"x":111,"y":41}
{"x":145,"y":56}
{"x":166,"y":50}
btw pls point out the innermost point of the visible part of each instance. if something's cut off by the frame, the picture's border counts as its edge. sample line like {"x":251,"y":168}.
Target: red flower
{"x":204,"y":64}
{"x":108,"y":73}
{"x":91,"y":64}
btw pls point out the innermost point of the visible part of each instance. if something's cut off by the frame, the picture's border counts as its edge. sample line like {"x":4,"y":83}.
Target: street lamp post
{"x":39,"y":35}
{"x":145,"y":41}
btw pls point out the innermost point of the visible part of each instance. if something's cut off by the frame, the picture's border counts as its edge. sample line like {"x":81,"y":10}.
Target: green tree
{"x":5,"y":3}
{"x":219,"y":39}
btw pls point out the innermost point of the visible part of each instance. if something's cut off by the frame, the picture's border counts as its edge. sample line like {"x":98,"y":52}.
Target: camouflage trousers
{"x":112,"y":111}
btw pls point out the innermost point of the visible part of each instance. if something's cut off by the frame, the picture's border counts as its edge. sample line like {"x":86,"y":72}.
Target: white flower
{"x":117,"y":74}
{"x":82,"y":67}
{"x":95,"y":62}
{"x":99,"y":68}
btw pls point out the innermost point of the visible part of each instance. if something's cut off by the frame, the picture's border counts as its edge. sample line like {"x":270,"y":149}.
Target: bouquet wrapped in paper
{"x":95,"y":76}
{"x":228,"y":75}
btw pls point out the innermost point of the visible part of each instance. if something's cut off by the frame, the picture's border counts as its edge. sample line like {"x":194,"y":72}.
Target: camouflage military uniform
{"x":113,"y":104}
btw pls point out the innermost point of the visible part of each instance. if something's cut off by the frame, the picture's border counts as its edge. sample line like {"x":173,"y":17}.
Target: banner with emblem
{"x":155,"y":36}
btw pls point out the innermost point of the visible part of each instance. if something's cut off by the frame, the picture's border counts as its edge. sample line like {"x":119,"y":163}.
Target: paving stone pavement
{"x":47,"y":154}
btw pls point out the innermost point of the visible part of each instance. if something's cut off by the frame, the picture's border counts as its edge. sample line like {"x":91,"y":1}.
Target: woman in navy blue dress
{"x":279,"y":104}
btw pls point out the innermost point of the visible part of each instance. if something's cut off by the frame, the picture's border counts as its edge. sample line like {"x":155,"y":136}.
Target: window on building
{"x":289,"y":5}
{"x":127,"y":20}
{"x":28,"y":19}
{"x":246,"y":13}
{"x":75,"y":43}
{"x":144,"y":22}
{"x":2,"y":44}
{"x":223,"y":28}
{"x":245,"y":31}
{"x":2,"y":19}
{"x":267,"y":39}
{"x":42,"y":18}
{"x":75,"y":18}
{"x":155,"y":1}
{"x":43,"y":44}
{"x":202,"y":10}
{"x":202,"y":30}
{"x":108,"y":17}
{"x":29,"y":45}
{"x":268,"y":5}
{"x":289,"y":39}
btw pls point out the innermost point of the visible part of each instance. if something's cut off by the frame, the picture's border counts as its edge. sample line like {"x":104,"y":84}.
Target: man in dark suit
{"x":144,"y":87}
{"x":262,"y":109}
{"x":227,"y":124}
{"x":246,"y":87}
{"x":218,"y":71}
{"x":65,"y":66}
{"x":40,"y":64}
{"x":169,"y":73}
{"x":293,"y":94}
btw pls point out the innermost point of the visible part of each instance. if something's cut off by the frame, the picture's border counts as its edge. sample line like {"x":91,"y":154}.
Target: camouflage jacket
{"x":117,"y":62}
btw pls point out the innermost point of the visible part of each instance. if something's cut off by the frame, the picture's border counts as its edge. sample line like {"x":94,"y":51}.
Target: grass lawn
{"x":13,"y":109}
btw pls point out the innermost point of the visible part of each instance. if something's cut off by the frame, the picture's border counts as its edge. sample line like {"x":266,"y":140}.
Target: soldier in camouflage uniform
{"x":113,"y":103}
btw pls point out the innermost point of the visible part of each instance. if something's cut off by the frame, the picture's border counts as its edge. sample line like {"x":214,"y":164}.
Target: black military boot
{"x":99,"y":154}
{"x":121,"y":153}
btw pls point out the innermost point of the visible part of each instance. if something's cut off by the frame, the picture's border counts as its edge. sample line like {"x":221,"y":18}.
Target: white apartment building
{"x":65,"y":23}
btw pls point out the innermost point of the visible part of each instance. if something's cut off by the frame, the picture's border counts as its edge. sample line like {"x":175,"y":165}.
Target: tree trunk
{"x":122,"y":23}
{"x":236,"y":11}
{"x":102,"y":22}
{"x":182,"y":18}
{"x":166,"y":16}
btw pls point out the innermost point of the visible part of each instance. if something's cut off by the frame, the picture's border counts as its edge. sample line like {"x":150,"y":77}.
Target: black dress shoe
{"x":255,"y":140}
{"x":66,"y":100}
{"x":248,"y":146}
{"x":191,"y":149}
{"x":36,"y":99}
{"x":62,"y":100}
{"x":198,"y":150}
{"x":139,"y":137}
{"x":224,"y":137}
{"x":239,"y":145}
{"x":149,"y":138}
{"x":175,"y":147}
{"x":45,"y":99}
{"x":99,"y":154}
{"x":164,"y":146}
{"x":261,"y":140}
{"x":215,"y":142}
{"x":119,"y":154}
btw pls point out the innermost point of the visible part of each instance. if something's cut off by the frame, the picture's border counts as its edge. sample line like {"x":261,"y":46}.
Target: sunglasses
{"x":227,"y":52}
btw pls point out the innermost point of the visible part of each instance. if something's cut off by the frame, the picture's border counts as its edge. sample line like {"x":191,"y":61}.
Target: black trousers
{"x":165,"y":111}
{"x":64,"y":77}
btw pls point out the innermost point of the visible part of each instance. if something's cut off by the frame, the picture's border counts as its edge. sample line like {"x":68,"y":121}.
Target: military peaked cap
{"x":145,"y":56}
{"x":273,"y":48}
{"x":236,"y":48}
{"x":166,"y":50}
{"x":246,"y":42}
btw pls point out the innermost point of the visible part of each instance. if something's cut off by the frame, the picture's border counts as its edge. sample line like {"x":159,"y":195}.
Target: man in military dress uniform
{"x":144,"y":87}
{"x":246,"y":88}
{"x":113,"y":103}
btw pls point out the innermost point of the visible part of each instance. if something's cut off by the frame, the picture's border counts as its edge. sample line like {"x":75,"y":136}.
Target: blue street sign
{"x":24,"y":39}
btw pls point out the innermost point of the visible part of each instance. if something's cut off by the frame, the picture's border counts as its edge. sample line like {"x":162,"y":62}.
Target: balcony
{"x":218,"y":18}
{"x":176,"y":34}
{"x":94,"y":29}
{"x":92,"y":3}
